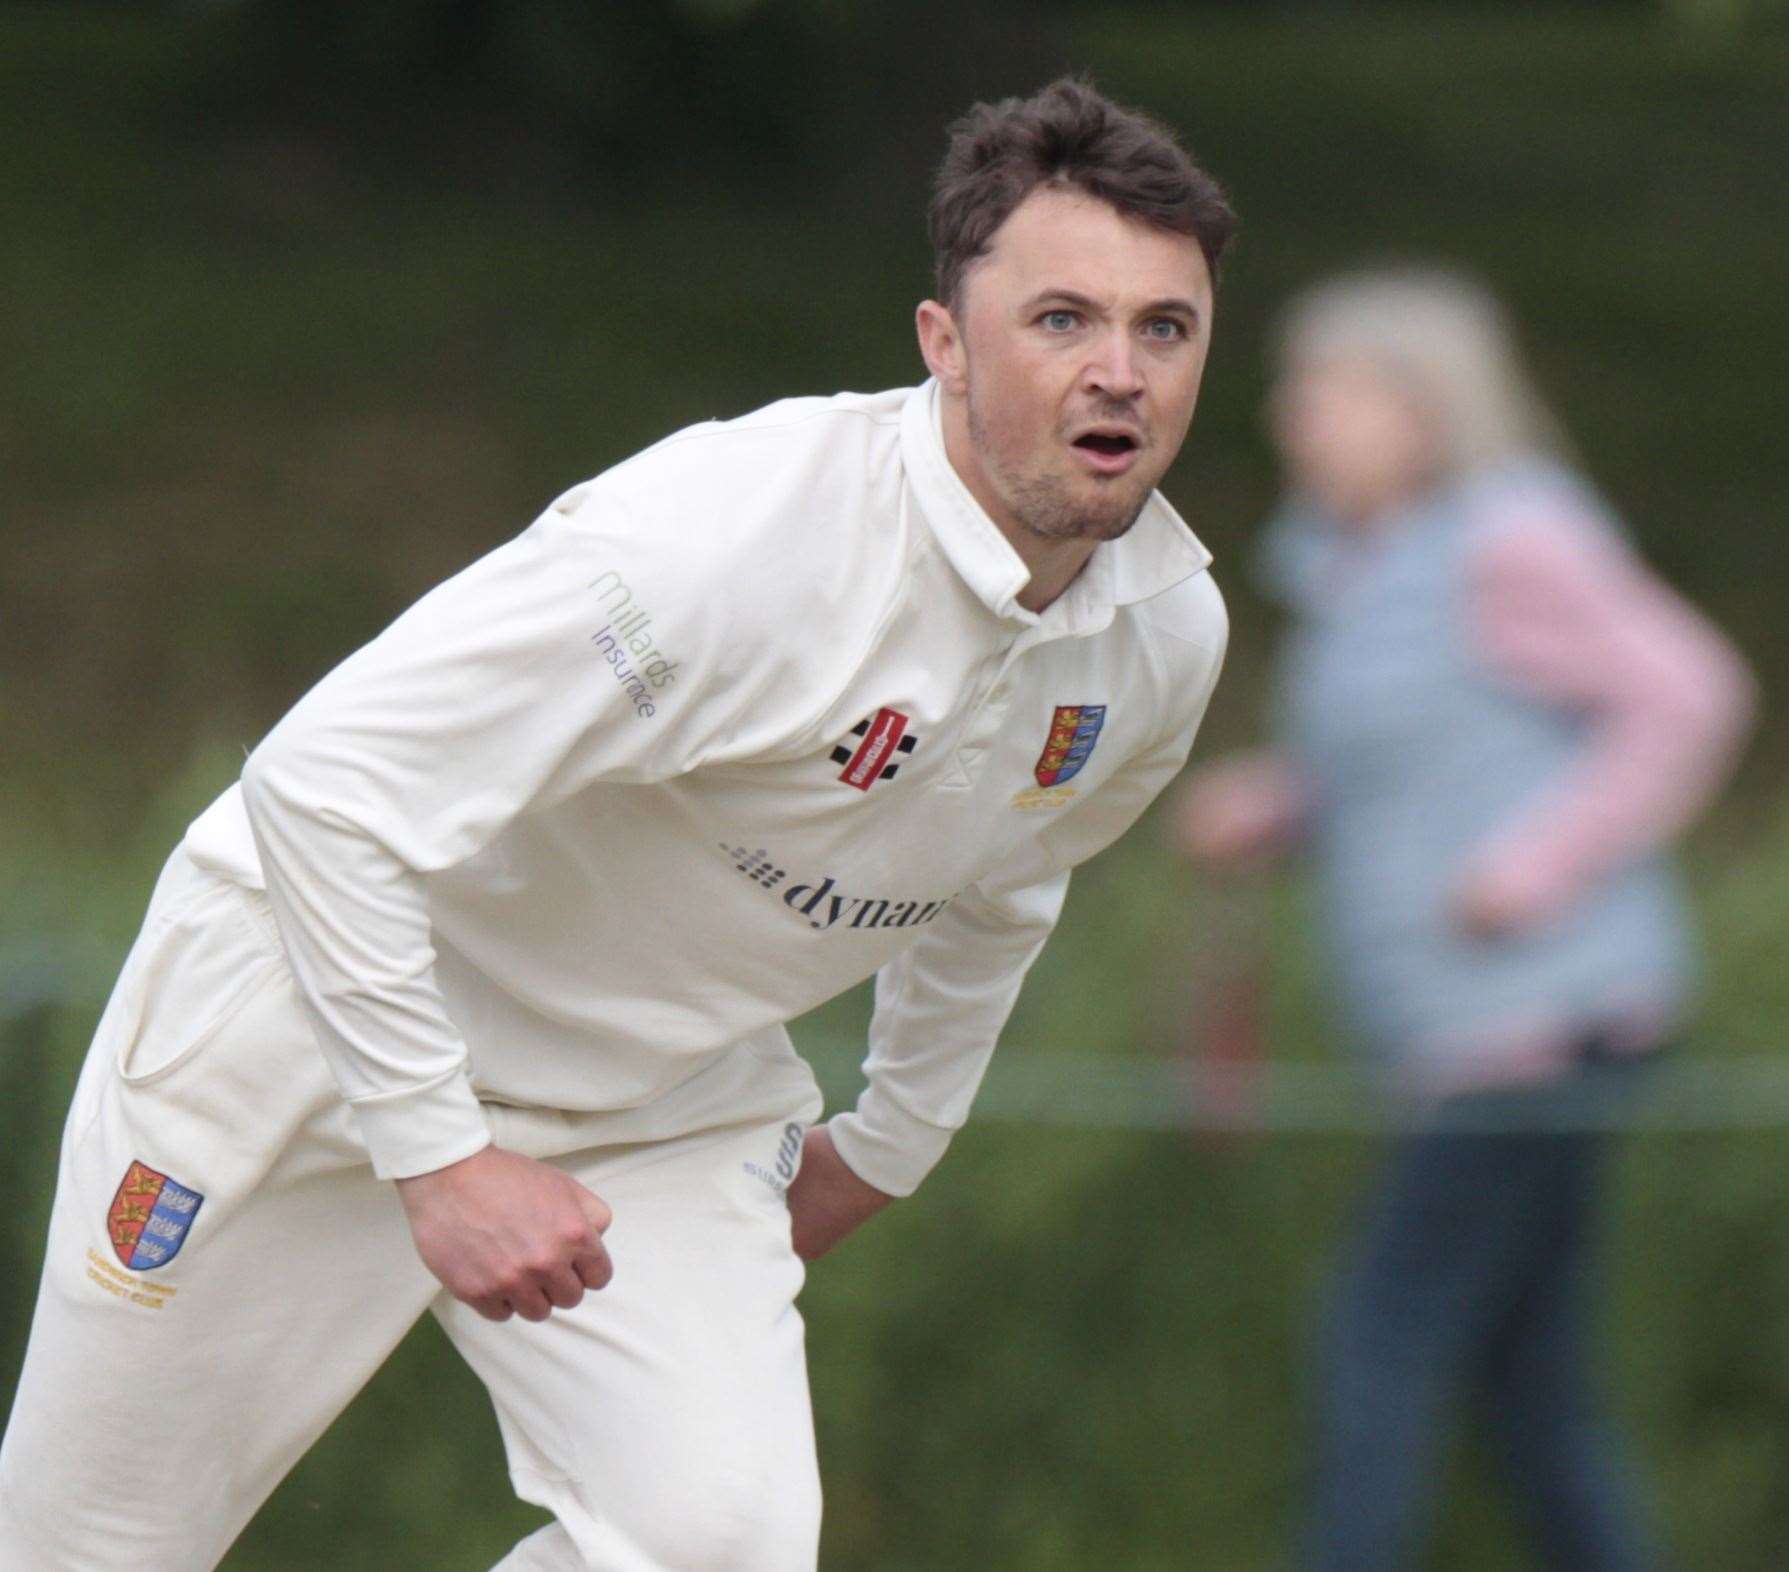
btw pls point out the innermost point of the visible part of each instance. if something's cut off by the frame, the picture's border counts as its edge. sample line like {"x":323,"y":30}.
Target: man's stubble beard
{"x":1042,"y":504}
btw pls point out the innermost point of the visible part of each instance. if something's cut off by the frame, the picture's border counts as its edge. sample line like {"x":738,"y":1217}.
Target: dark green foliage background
{"x":300,"y":308}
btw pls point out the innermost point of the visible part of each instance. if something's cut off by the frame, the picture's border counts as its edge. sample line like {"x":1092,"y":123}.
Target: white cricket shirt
{"x":743,"y":720}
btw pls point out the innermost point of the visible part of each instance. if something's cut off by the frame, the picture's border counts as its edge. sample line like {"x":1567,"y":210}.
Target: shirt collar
{"x":1157,"y":552}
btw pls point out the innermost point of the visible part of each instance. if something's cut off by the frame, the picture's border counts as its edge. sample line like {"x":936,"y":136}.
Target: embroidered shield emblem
{"x":150,"y":1216}
{"x":1073,"y":733}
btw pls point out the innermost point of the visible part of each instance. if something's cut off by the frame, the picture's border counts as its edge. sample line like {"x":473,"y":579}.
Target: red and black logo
{"x":885,"y":743}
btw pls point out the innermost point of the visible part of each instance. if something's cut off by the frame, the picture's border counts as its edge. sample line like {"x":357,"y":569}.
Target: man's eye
{"x":1058,"y":321}
{"x":1164,"y":328}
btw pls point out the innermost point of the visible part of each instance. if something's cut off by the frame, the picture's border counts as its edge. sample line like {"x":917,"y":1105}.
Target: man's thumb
{"x":596,"y":1210}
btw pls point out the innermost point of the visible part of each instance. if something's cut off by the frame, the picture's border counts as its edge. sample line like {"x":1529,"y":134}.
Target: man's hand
{"x":508,"y":1235}
{"x":827,"y":1199}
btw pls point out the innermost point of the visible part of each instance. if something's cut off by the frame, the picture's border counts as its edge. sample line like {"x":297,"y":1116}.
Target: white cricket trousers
{"x":224,"y":1273}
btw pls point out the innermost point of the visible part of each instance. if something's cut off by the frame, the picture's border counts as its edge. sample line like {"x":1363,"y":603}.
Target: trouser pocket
{"x":204,"y":1067}
{"x":202,"y":957}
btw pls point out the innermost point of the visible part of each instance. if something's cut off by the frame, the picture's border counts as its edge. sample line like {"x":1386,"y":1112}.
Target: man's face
{"x":1080,"y":340}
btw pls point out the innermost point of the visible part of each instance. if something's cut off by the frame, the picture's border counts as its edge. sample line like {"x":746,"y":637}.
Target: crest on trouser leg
{"x":150,"y":1217}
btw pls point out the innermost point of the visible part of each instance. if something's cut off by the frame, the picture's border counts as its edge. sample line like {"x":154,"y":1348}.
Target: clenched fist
{"x":508,"y":1235}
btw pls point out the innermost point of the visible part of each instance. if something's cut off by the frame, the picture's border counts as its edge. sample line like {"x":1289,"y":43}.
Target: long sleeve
{"x":500,"y":691}
{"x":1568,"y":616}
{"x":941,"y":1005}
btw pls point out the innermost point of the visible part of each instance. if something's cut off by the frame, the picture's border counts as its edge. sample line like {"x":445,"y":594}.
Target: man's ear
{"x":941,"y":346}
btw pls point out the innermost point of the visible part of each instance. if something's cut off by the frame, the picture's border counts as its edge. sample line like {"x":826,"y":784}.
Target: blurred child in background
{"x":1493,"y":721}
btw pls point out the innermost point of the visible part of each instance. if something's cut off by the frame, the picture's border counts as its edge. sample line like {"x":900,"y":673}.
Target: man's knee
{"x":549,"y":1550}
{"x":756,"y":1526}
{"x":712,"y":1518}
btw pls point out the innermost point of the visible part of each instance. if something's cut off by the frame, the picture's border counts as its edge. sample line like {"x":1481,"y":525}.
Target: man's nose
{"x":1113,"y":369}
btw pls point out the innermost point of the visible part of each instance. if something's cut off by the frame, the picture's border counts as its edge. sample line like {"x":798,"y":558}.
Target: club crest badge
{"x":150,"y":1217}
{"x":1073,"y":733}
{"x":884,"y":741}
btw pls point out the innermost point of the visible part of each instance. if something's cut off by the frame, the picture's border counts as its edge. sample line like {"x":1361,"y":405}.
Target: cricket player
{"x":470,"y":996}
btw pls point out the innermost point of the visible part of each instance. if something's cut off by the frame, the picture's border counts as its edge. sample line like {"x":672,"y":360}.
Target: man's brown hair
{"x":1066,"y":134}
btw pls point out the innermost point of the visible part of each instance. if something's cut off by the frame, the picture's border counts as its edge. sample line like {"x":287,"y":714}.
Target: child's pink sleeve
{"x":1567,"y":614}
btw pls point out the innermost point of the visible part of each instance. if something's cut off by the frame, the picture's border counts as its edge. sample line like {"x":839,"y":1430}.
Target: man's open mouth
{"x":1109,"y":444}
